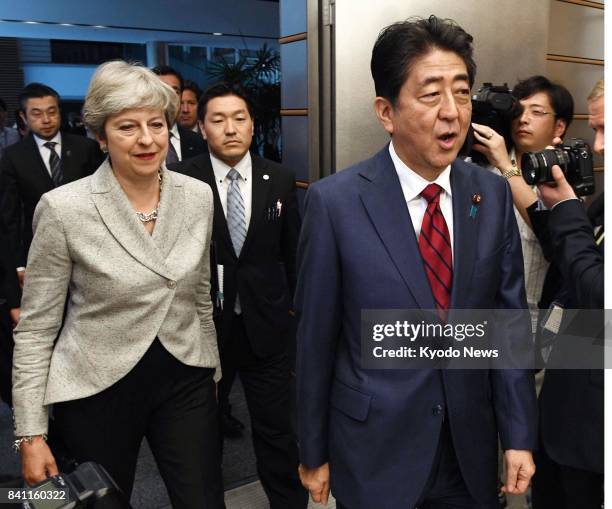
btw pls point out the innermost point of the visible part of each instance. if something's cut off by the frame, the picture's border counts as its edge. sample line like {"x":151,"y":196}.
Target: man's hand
{"x":316,"y":481}
{"x":519,"y":471}
{"x":493,"y":146}
{"x":551,"y":194}
{"x":37,"y":462}
{"x":14,"y":314}
{"x":21,"y":277}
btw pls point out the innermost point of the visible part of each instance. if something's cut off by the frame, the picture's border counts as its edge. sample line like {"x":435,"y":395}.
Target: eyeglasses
{"x":536,"y":113}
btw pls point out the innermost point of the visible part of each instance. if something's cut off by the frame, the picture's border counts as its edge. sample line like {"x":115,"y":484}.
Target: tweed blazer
{"x":124,"y":288}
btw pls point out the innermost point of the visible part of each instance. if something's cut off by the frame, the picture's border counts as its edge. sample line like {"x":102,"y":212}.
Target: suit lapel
{"x":69,"y":169}
{"x":171,"y":215}
{"x":465,"y":231}
{"x":219,"y":220}
{"x":260,"y":189}
{"x":382,"y":196}
{"x":119,"y":217}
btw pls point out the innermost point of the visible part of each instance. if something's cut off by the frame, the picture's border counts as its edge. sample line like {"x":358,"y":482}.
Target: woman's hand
{"x":493,"y":146}
{"x":37,"y":462}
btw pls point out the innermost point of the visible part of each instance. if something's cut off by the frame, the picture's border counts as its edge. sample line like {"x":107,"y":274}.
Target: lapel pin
{"x":476,"y":199}
{"x":266,"y":177}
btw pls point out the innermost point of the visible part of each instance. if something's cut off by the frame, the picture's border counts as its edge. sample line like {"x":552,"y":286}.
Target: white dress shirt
{"x":175,"y":139}
{"x":245,"y":169}
{"x":45,"y":153}
{"x":412,"y":187}
{"x":535,"y":264}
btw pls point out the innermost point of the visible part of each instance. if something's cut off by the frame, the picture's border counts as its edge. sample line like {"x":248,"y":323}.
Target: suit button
{"x":437,"y":410}
{"x":171,"y":284}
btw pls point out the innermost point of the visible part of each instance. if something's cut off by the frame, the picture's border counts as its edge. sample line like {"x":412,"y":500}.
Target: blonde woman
{"x":127,"y":251}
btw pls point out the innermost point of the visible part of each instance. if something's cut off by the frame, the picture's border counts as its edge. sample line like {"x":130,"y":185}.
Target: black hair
{"x":561,"y":100}
{"x":193,"y":86}
{"x":36,"y":90}
{"x":165,"y":70}
{"x":221,"y":90}
{"x":399,"y":44}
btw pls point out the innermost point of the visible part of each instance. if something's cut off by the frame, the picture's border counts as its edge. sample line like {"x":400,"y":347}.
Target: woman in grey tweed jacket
{"x":128,"y":248}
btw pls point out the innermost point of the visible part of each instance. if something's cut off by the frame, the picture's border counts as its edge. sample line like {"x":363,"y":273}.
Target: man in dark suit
{"x":44,"y":159}
{"x":411,"y":228}
{"x":255,"y":235}
{"x":184,"y":143}
{"x":570,"y":459}
{"x":10,"y":297}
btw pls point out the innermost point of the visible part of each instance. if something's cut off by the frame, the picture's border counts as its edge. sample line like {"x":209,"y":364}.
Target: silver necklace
{"x":151,"y":216}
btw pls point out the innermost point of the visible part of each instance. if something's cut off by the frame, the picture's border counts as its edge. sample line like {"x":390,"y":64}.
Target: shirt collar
{"x":175,"y":132}
{"x":243,"y":167}
{"x":41,"y":143}
{"x":412,"y":183}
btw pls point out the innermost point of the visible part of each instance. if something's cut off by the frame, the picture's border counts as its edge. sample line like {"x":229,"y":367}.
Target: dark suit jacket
{"x":572,"y":401}
{"x":24,"y":179}
{"x":379,"y":429}
{"x":264,"y":274}
{"x":192,"y":144}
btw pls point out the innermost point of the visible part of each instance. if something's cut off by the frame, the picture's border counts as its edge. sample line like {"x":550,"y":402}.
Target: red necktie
{"x":435,"y":248}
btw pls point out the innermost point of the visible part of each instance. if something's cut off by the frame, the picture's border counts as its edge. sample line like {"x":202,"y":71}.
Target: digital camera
{"x":575,"y":160}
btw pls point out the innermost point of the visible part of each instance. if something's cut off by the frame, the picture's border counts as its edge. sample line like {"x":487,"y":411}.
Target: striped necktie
{"x":171,"y":156}
{"x":55,"y":164}
{"x":435,"y":248}
{"x":236,"y":217}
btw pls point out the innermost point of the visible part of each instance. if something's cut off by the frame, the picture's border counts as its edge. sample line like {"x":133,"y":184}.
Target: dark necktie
{"x":172,"y":156}
{"x":55,"y":164}
{"x":435,"y":248}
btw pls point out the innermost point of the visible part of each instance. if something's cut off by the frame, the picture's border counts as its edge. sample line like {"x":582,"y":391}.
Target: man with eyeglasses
{"x":547,"y":112}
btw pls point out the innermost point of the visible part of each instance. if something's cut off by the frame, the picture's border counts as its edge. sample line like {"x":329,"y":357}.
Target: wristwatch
{"x":512,"y":171}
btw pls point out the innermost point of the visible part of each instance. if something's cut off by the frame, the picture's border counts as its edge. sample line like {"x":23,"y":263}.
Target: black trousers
{"x":267,"y":386}
{"x":169,"y":403}
{"x":557,"y":486}
{"x":6,"y":355}
{"x":445,"y":487}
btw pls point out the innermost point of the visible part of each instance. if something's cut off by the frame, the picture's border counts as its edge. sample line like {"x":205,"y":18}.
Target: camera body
{"x":83,"y":488}
{"x":575,"y":160}
{"x":495,"y":107}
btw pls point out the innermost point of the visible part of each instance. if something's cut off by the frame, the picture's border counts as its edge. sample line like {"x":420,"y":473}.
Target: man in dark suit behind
{"x":10,"y":297}
{"x":411,"y":228}
{"x":184,"y":143}
{"x":43,"y":160}
{"x":255,"y":235}
{"x":570,"y":459}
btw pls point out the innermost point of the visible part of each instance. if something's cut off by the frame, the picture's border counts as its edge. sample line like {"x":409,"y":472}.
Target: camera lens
{"x":537,"y":166}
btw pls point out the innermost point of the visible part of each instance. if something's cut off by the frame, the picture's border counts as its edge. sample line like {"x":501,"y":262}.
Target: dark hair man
{"x":44,"y":159}
{"x":188,"y":115}
{"x":570,"y":459}
{"x":255,"y":235}
{"x":547,"y":112}
{"x":398,"y":231}
{"x":8,"y":135}
{"x":184,"y":144}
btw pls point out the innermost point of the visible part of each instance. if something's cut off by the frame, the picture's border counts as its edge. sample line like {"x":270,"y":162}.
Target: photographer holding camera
{"x":570,"y":462}
{"x":545,"y":112}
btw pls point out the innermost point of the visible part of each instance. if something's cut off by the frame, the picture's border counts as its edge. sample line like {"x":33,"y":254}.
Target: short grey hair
{"x":117,"y":86}
{"x":597,"y":92}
